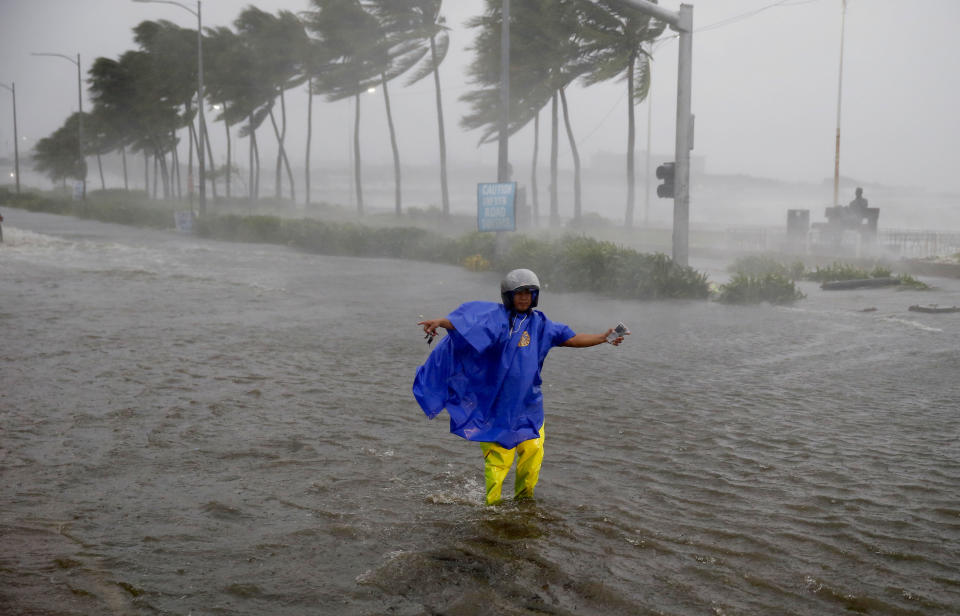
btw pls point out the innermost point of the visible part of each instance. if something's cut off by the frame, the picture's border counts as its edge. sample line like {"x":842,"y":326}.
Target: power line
{"x":749,"y":14}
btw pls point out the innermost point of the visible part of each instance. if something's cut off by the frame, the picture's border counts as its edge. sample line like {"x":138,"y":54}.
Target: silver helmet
{"x":519,"y":280}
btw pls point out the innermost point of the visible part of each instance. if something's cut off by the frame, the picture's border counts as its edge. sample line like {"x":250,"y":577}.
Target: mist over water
{"x":204,"y":427}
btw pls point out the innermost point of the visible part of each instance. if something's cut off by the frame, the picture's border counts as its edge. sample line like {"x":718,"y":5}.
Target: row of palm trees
{"x":338,"y":49}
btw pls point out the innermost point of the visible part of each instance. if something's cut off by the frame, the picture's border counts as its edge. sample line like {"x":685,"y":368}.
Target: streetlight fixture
{"x":16,"y":147}
{"x":79,"y":115}
{"x":201,"y":130}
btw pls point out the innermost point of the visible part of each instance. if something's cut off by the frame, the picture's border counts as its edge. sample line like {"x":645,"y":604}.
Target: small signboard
{"x":496,"y":209}
{"x":78,"y":190}
{"x":183,"y":219}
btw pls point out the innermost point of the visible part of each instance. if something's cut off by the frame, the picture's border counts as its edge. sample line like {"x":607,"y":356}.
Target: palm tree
{"x":423,"y":40}
{"x":173,"y":53}
{"x":313,"y":62}
{"x":545,"y":57}
{"x":133,"y":93}
{"x":351,"y":39}
{"x":280,"y":42}
{"x":58,"y":156}
{"x":238,"y":78}
{"x":616,"y":33}
{"x":221,"y":54}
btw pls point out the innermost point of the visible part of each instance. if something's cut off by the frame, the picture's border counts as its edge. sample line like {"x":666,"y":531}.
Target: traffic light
{"x":665,"y":173}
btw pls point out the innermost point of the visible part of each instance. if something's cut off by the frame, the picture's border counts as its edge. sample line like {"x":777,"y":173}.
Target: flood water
{"x":199,"y":427}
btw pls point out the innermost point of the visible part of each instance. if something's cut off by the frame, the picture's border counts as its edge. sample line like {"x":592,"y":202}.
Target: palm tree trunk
{"x":123,"y":160}
{"x":398,"y":205}
{"x":229,"y":175}
{"x":211,"y":175}
{"x":281,"y":157}
{"x":444,"y":191}
{"x":175,"y":171}
{"x":283,"y":147}
{"x":252,"y":142}
{"x":554,"y":151}
{"x":103,"y":185}
{"x":631,"y":139}
{"x":256,"y":164}
{"x":146,"y":173}
{"x":165,"y":174}
{"x":577,"y":209}
{"x":535,"y":197}
{"x":279,"y":169}
{"x":306,"y":175}
{"x":190,"y":164}
{"x":358,"y":182}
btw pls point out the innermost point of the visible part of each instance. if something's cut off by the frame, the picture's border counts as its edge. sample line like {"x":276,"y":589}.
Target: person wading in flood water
{"x":486,"y":373}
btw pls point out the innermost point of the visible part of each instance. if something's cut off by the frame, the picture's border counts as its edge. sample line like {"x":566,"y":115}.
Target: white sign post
{"x":496,"y":209}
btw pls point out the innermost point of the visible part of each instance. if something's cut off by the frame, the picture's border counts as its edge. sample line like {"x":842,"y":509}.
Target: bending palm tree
{"x":615,"y":35}
{"x":351,"y":39}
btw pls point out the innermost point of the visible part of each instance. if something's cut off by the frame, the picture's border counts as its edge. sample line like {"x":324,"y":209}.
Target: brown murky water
{"x":194,"y":427}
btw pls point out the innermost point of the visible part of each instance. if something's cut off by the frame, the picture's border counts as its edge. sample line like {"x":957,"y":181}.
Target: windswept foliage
{"x":746,"y":289}
{"x":58,"y":156}
{"x":615,"y":34}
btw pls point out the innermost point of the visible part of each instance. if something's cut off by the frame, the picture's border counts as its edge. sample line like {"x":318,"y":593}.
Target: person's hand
{"x":616,"y":341}
{"x":430,"y":326}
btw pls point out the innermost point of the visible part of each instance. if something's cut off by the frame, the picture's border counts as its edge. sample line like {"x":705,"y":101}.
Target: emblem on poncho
{"x":524,"y":339}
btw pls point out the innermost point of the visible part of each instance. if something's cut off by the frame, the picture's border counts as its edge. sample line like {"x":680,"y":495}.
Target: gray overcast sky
{"x":764,"y":92}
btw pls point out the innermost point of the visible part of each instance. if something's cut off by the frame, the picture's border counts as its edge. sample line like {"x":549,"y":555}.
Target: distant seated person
{"x":858,"y":207}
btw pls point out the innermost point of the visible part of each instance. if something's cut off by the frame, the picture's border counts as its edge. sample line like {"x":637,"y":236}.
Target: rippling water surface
{"x":195,"y":427}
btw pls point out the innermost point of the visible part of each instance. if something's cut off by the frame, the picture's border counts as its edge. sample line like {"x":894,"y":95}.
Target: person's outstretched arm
{"x":430,"y":325}
{"x":588,"y":340}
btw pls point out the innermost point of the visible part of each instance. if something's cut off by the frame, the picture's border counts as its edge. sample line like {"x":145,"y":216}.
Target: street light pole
{"x":201,"y":128}
{"x":16,"y":149}
{"x":503,"y":162}
{"x":83,"y":160}
{"x":836,"y":160}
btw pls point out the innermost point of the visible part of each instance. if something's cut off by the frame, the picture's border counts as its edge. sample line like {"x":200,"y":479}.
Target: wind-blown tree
{"x":99,"y":138}
{"x":281,"y":45}
{"x":352,"y":41}
{"x":545,"y":57}
{"x":173,"y":51}
{"x":615,"y":34}
{"x":313,"y":62}
{"x":421,"y":41}
{"x":131,"y":93}
{"x":237,"y":78}
{"x":223,"y":56}
{"x":58,"y":156}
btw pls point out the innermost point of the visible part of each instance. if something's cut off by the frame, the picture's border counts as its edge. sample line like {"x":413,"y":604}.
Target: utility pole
{"x":503,"y":163}
{"x":16,"y":148}
{"x":836,"y":160}
{"x":682,"y":22}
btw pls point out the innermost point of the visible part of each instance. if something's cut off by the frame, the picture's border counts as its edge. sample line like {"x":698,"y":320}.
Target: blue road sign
{"x":495,"y":206}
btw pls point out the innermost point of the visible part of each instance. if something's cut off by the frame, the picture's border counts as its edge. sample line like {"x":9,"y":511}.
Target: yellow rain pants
{"x":497,"y":462}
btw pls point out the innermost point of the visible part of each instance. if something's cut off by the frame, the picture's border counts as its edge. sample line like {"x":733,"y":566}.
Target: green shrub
{"x":909,"y":282}
{"x":577,"y":263}
{"x":837,"y":271}
{"x":772,"y":288}
{"x":761,"y":265}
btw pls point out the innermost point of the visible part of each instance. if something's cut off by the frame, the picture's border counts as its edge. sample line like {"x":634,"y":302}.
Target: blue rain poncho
{"x":487,"y":375}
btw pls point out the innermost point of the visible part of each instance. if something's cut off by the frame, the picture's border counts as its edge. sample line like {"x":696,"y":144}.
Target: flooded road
{"x":198,"y":427}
